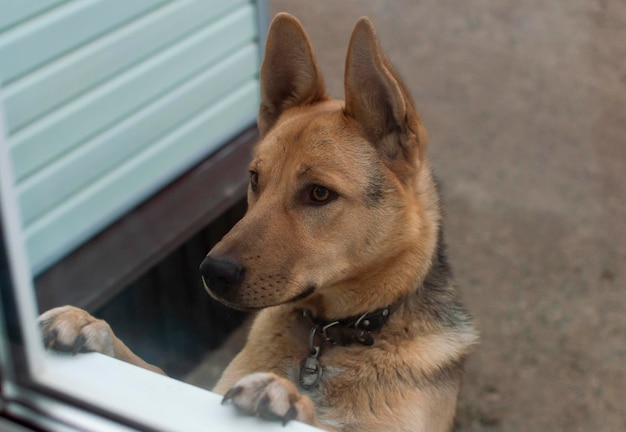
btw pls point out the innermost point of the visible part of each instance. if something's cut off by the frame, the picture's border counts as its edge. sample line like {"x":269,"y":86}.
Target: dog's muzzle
{"x":220,"y":274}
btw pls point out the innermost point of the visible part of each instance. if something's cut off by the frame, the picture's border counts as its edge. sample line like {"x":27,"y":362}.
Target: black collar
{"x":346,"y":331}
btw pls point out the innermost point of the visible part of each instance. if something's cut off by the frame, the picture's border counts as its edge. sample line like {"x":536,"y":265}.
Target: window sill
{"x":152,"y":401}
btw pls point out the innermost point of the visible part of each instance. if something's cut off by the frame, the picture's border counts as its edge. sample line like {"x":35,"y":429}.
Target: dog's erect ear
{"x":377,"y":98}
{"x":289,"y":74}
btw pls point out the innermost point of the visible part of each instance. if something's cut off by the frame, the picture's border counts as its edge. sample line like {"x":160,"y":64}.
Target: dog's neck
{"x":355,"y":329}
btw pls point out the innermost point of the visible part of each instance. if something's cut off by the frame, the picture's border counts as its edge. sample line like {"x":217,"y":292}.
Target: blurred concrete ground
{"x":525,"y":104}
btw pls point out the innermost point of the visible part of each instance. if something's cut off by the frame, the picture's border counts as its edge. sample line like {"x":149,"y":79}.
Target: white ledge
{"x":156,"y":401}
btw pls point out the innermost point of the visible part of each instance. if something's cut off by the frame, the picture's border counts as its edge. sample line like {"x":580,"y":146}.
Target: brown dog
{"x":360,"y":327}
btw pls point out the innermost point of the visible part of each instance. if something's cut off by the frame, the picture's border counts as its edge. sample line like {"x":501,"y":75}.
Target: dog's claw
{"x":232,"y":393}
{"x":290,"y":414}
{"x":264,"y":409}
{"x":79,"y":344}
{"x":49,"y":339}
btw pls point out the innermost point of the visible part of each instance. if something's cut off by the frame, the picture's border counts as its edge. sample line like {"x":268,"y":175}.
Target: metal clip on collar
{"x":311,"y":371}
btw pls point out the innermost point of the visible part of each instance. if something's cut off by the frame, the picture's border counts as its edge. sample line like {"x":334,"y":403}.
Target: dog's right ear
{"x":289,"y":74}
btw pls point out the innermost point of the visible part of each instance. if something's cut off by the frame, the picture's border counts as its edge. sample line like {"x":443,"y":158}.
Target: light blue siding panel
{"x":94,"y":207}
{"x":27,"y":47}
{"x":105,"y":152}
{"x":67,"y":77}
{"x":119,"y":98}
{"x":14,"y":11}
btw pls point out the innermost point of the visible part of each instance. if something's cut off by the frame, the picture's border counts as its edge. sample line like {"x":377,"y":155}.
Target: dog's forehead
{"x":312,"y":137}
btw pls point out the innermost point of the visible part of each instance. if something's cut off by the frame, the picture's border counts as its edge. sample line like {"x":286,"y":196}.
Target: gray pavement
{"x":525,"y":105}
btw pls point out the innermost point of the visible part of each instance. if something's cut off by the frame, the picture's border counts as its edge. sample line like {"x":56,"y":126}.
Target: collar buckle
{"x":349,"y":335}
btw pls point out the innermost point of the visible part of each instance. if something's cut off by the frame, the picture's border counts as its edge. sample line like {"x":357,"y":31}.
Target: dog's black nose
{"x":220,"y":274}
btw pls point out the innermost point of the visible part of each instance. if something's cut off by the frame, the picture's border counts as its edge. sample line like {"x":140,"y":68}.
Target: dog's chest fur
{"x":404,"y":355}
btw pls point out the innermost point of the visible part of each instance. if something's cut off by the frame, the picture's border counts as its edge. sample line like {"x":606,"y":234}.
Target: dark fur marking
{"x":375,"y":190}
{"x":438,"y":296}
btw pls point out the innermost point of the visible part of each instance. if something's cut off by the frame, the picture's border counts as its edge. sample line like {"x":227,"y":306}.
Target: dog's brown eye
{"x":254,"y":180}
{"x":319,"y":194}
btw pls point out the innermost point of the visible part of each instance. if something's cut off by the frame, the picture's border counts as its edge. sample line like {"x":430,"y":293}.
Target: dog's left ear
{"x":378,"y":100}
{"x":289,"y":74}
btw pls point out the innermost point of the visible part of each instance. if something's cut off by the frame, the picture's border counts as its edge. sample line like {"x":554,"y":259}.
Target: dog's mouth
{"x":251,"y":303}
{"x":225,"y":302}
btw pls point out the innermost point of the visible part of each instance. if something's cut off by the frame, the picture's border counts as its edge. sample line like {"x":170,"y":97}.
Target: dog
{"x":341,"y":252}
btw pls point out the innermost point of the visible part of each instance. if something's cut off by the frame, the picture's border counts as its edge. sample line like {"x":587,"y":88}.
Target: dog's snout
{"x":220,"y":274}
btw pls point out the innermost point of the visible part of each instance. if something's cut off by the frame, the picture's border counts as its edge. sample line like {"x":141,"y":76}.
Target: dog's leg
{"x":71,"y":329}
{"x":271,"y":397}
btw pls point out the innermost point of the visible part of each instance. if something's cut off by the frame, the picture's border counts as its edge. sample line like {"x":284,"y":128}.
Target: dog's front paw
{"x":74,"y":330}
{"x":271,"y":397}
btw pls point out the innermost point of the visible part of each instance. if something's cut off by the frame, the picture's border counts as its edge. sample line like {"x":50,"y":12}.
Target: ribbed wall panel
{"x":108,"y":100}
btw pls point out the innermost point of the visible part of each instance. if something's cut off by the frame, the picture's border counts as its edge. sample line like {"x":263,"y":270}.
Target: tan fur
{"x":375,"y":243}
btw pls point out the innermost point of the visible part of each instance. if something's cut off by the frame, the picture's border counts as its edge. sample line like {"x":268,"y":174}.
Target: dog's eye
{"x":254,"y":180}
{"x":320,"y":194}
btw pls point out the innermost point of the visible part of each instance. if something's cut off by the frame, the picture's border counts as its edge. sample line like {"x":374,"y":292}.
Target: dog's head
{"x":342,"y":210}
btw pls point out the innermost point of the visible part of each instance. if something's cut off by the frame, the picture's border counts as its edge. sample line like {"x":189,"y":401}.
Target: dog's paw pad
{"x":70,"y":329}
{"x":270,"y":397}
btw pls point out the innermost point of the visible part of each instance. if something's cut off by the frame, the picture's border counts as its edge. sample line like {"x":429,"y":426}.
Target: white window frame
{"x":88,"y":391}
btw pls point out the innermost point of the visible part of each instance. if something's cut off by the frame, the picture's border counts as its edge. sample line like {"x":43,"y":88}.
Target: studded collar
{"x":356,"y":329}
